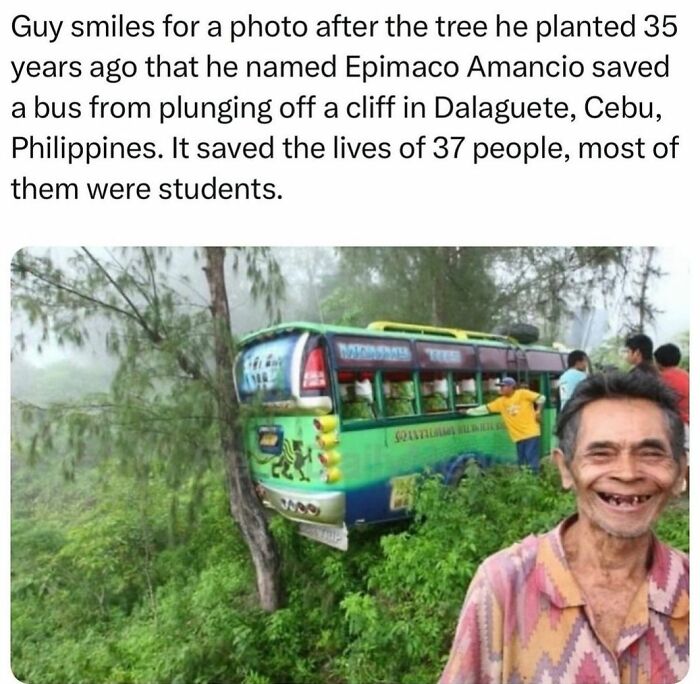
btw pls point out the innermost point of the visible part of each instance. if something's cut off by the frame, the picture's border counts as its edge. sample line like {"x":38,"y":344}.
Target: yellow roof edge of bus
{"x":457,"y":333}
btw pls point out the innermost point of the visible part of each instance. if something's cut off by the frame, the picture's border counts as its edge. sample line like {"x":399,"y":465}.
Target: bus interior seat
{"x":400,"y":399}
{"x":356,"y":398}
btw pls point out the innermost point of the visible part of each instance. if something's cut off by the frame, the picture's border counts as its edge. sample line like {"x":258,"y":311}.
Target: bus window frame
{"x":420,"y":415}
{"x":392,"y":420}
{"x":516,"y":364}
{"x":547,"y":374}
{"x":350,"y":423}
{"x":451,"y":408}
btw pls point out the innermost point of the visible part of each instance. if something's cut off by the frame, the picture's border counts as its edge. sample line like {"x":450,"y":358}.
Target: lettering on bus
{"x":417,"y":434}
{"x":358,"y":351}
{"x":446,"y":356}
{"x":432,"y":355}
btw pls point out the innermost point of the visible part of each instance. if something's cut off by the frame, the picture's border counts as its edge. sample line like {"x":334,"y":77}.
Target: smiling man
{"x":598,"y":600}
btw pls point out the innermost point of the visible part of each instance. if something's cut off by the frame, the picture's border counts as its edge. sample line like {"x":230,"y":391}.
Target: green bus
{"x":340,"y":421}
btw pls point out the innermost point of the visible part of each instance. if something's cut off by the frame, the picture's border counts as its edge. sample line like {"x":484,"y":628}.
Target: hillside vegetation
{"x":121,"y":580}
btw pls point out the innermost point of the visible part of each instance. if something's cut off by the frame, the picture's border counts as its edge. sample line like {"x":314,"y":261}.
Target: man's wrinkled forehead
{"x":622,"y":421}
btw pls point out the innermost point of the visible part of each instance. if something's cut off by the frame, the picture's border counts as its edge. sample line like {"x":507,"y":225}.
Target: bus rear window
{"x":264,"y":370}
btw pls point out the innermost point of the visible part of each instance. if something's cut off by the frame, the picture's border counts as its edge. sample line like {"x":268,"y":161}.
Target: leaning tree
{"x":171,"y":405}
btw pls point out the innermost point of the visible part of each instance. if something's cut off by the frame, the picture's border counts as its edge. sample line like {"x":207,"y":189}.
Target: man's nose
{"x":626,"y":466}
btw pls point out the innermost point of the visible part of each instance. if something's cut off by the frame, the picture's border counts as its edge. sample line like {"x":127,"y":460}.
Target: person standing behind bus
{"x":638,"y":353}
{"x":520,"y":410}
{"x":576,"y":371}
{"x":667,"y":358}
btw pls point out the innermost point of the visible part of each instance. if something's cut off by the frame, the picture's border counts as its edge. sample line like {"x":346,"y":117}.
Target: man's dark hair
{"x":619,"y":386}
{"x":668,"y":355}
{"x":641,"y":343}
{"x":574,"y":357}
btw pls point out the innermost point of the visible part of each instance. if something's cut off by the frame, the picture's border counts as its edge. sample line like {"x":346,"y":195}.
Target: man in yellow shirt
{"x":520,"y":410}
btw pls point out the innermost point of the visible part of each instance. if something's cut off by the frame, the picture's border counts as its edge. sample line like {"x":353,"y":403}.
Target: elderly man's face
{"x":623,"y":471}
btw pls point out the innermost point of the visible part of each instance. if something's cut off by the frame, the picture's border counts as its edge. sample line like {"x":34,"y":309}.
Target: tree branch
{"x":76,"y":293}
{"x":154,"y":335}
{"x":125,"y":270}
{"x":151,"y":273}
{"x":188,"y":366}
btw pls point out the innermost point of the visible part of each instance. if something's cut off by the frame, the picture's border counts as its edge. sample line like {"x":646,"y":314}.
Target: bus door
{"x":545,"y":368}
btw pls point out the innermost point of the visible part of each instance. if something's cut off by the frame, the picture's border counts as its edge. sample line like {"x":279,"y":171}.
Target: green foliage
{"x":609,"y":354}
{"x":471,"y":287}
{"x":683,"y":342}
{"x":545,"y":285}
{"x":107,"y":586}
{"x":413,"y":284}
{"x":57,"y":382}
{"x":674,"y":526}
{"x":410,"y":606}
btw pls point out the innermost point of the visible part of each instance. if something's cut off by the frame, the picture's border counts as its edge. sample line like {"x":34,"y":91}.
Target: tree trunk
{"x":646,"y":274}
{"x":245,"y":507}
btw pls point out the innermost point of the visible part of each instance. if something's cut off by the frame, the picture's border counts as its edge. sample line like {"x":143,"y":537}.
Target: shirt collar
{"x":667,"y":578}
{"x":554,"y":577}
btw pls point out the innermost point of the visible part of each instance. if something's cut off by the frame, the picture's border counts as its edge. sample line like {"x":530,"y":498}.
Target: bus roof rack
{"x":456,"y":333}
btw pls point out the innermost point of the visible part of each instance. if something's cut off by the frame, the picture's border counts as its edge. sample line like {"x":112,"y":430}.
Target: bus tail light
{"x":333,"y":475}
{"x":327,"y":440}
{"x":329,"y":458}
{"x":326,"y":423}
{"x":314,"y":371}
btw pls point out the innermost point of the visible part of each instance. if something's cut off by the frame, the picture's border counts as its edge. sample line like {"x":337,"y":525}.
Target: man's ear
{"x":567,"y":481}
{"x":680,"y":485}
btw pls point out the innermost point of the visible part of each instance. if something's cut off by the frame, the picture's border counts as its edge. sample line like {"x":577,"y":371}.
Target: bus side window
{"x":434,"y":393}
{"x":554,"y":398}
{"x":465,"y":390}
{"x":399,"y":395}
{"x":356,"y":396}
{"x":489,"y":388}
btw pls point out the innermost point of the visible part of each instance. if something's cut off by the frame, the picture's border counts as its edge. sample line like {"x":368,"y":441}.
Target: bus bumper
{"x":327,"y":508}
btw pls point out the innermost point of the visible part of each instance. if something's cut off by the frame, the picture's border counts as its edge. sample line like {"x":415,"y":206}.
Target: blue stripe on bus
{"x":370,"y":503}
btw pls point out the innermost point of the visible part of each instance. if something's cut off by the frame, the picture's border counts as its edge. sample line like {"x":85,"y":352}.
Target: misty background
{"x":317,"y":281}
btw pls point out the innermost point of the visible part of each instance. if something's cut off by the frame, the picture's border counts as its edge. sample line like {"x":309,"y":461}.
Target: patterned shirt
{"x":524,"y":621}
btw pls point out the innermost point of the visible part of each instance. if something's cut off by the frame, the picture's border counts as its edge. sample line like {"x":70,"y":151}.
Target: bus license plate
{"x":337,"y":537}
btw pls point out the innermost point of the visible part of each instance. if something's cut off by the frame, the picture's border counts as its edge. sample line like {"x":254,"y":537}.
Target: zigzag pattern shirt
{"x":524,"y":621}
